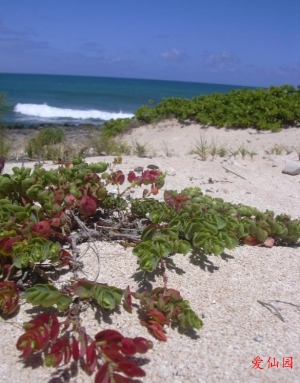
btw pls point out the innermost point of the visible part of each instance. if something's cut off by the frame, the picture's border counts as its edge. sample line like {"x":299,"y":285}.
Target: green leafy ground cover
{"x":42,"y":212}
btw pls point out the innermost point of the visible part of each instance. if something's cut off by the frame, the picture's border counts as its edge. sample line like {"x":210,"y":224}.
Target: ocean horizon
{"x":36,"y":99}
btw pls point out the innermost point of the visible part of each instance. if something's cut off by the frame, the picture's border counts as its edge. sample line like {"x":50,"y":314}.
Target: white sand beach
{"x":224,"y":291}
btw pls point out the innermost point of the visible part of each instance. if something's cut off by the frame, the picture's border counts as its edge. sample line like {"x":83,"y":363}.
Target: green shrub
{"x":38,"y":145}
{"x":114,"y":127}
{"x":111,"y":146}
{"x":266,"y":109}
{"x":50,"y":136}
{"x":4,"y":145}
{"x":140,"y":149}
{"x":4,"y":107}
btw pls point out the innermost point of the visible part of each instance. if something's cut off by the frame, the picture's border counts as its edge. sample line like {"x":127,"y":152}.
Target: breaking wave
{"x":46,"y":111}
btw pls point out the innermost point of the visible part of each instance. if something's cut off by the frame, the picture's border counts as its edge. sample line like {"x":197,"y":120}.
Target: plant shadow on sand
{"x":199,"y":258}
{"x":144,"y":278}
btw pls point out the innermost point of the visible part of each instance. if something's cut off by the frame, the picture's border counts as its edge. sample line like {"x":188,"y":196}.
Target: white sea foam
{"x":46,"y":111}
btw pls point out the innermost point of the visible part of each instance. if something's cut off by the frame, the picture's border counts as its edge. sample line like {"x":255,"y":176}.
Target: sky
{"x":237,"y":42}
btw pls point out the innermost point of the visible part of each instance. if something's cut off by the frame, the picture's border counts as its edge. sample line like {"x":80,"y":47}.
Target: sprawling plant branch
{"x":45,"y":214}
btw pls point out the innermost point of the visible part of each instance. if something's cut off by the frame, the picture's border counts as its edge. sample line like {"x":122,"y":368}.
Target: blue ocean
{"x":36,"y":99}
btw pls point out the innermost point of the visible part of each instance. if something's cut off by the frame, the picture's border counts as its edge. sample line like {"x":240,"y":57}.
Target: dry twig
{"x":272,"y":308}
{"x":230,"y":171}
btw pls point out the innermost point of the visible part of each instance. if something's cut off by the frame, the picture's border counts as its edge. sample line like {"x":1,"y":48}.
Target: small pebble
{"x":258,"y":339}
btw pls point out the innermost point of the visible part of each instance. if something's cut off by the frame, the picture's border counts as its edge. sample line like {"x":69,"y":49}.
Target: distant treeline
{"x":265,"y":109}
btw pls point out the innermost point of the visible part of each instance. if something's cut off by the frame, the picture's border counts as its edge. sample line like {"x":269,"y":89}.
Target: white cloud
{"x":221,"y":61}
{"x":173,"y":54}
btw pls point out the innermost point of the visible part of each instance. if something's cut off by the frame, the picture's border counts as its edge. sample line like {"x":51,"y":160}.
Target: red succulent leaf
{"x":172,"y":293}
{"x":111,"y":352}
{"x":91,"y":358}
{"x":26,"y":343}
{"x":42,"y":228}
{"x":53,"y":360}
{"x":169,"y":199}
{"x":128,"y":347}
{"x":9,"y":297}
{"x":75,"y":348}
{"x":154,"y":190}
{"x":120,"y":378}
{"x":62,"y":217}
{"x":92,"y":178}
{"x":147,"y":179}
{"x":139,"y":181}
{"x":181,"y":198}
{"x":58,"y":197}
{"x":174,"y":199}
{"x":117,"y":177}
{"x":6,"y":244}
{"x":54,"y":325}
{"x":35,"y":338}
{"x":131,"y":176}
{"x":59,"y":219}
{"x":142,"y":345}
{"x":55,"y":222}
{"x":157,"y":330}
{"x":49,"y":322}
{"x":60,"y":350}
{"x":102,"y":375}
{"x":158,"y":316}
{"x":70,"y":200}
{"x":131,"y":369}
{"x":159,"y":182}
{"x":27,"y":350}
{"x":250,"y":240}
{"x":109,"y":336}
{"x":120,"y":177}
{"x":5,"y":266}
{"x":174,"y":312}
{"x":64,"y":257}
{"x":87,"y":205}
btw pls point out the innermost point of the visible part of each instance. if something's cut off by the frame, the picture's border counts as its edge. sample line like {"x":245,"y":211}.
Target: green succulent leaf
{"x":149,"y":260}
{"x":99,"y":167}
{"x":148,"y":233}
{"x":184,"y":247}
{"x":47,"y":296}
{"x":188,"y":318}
